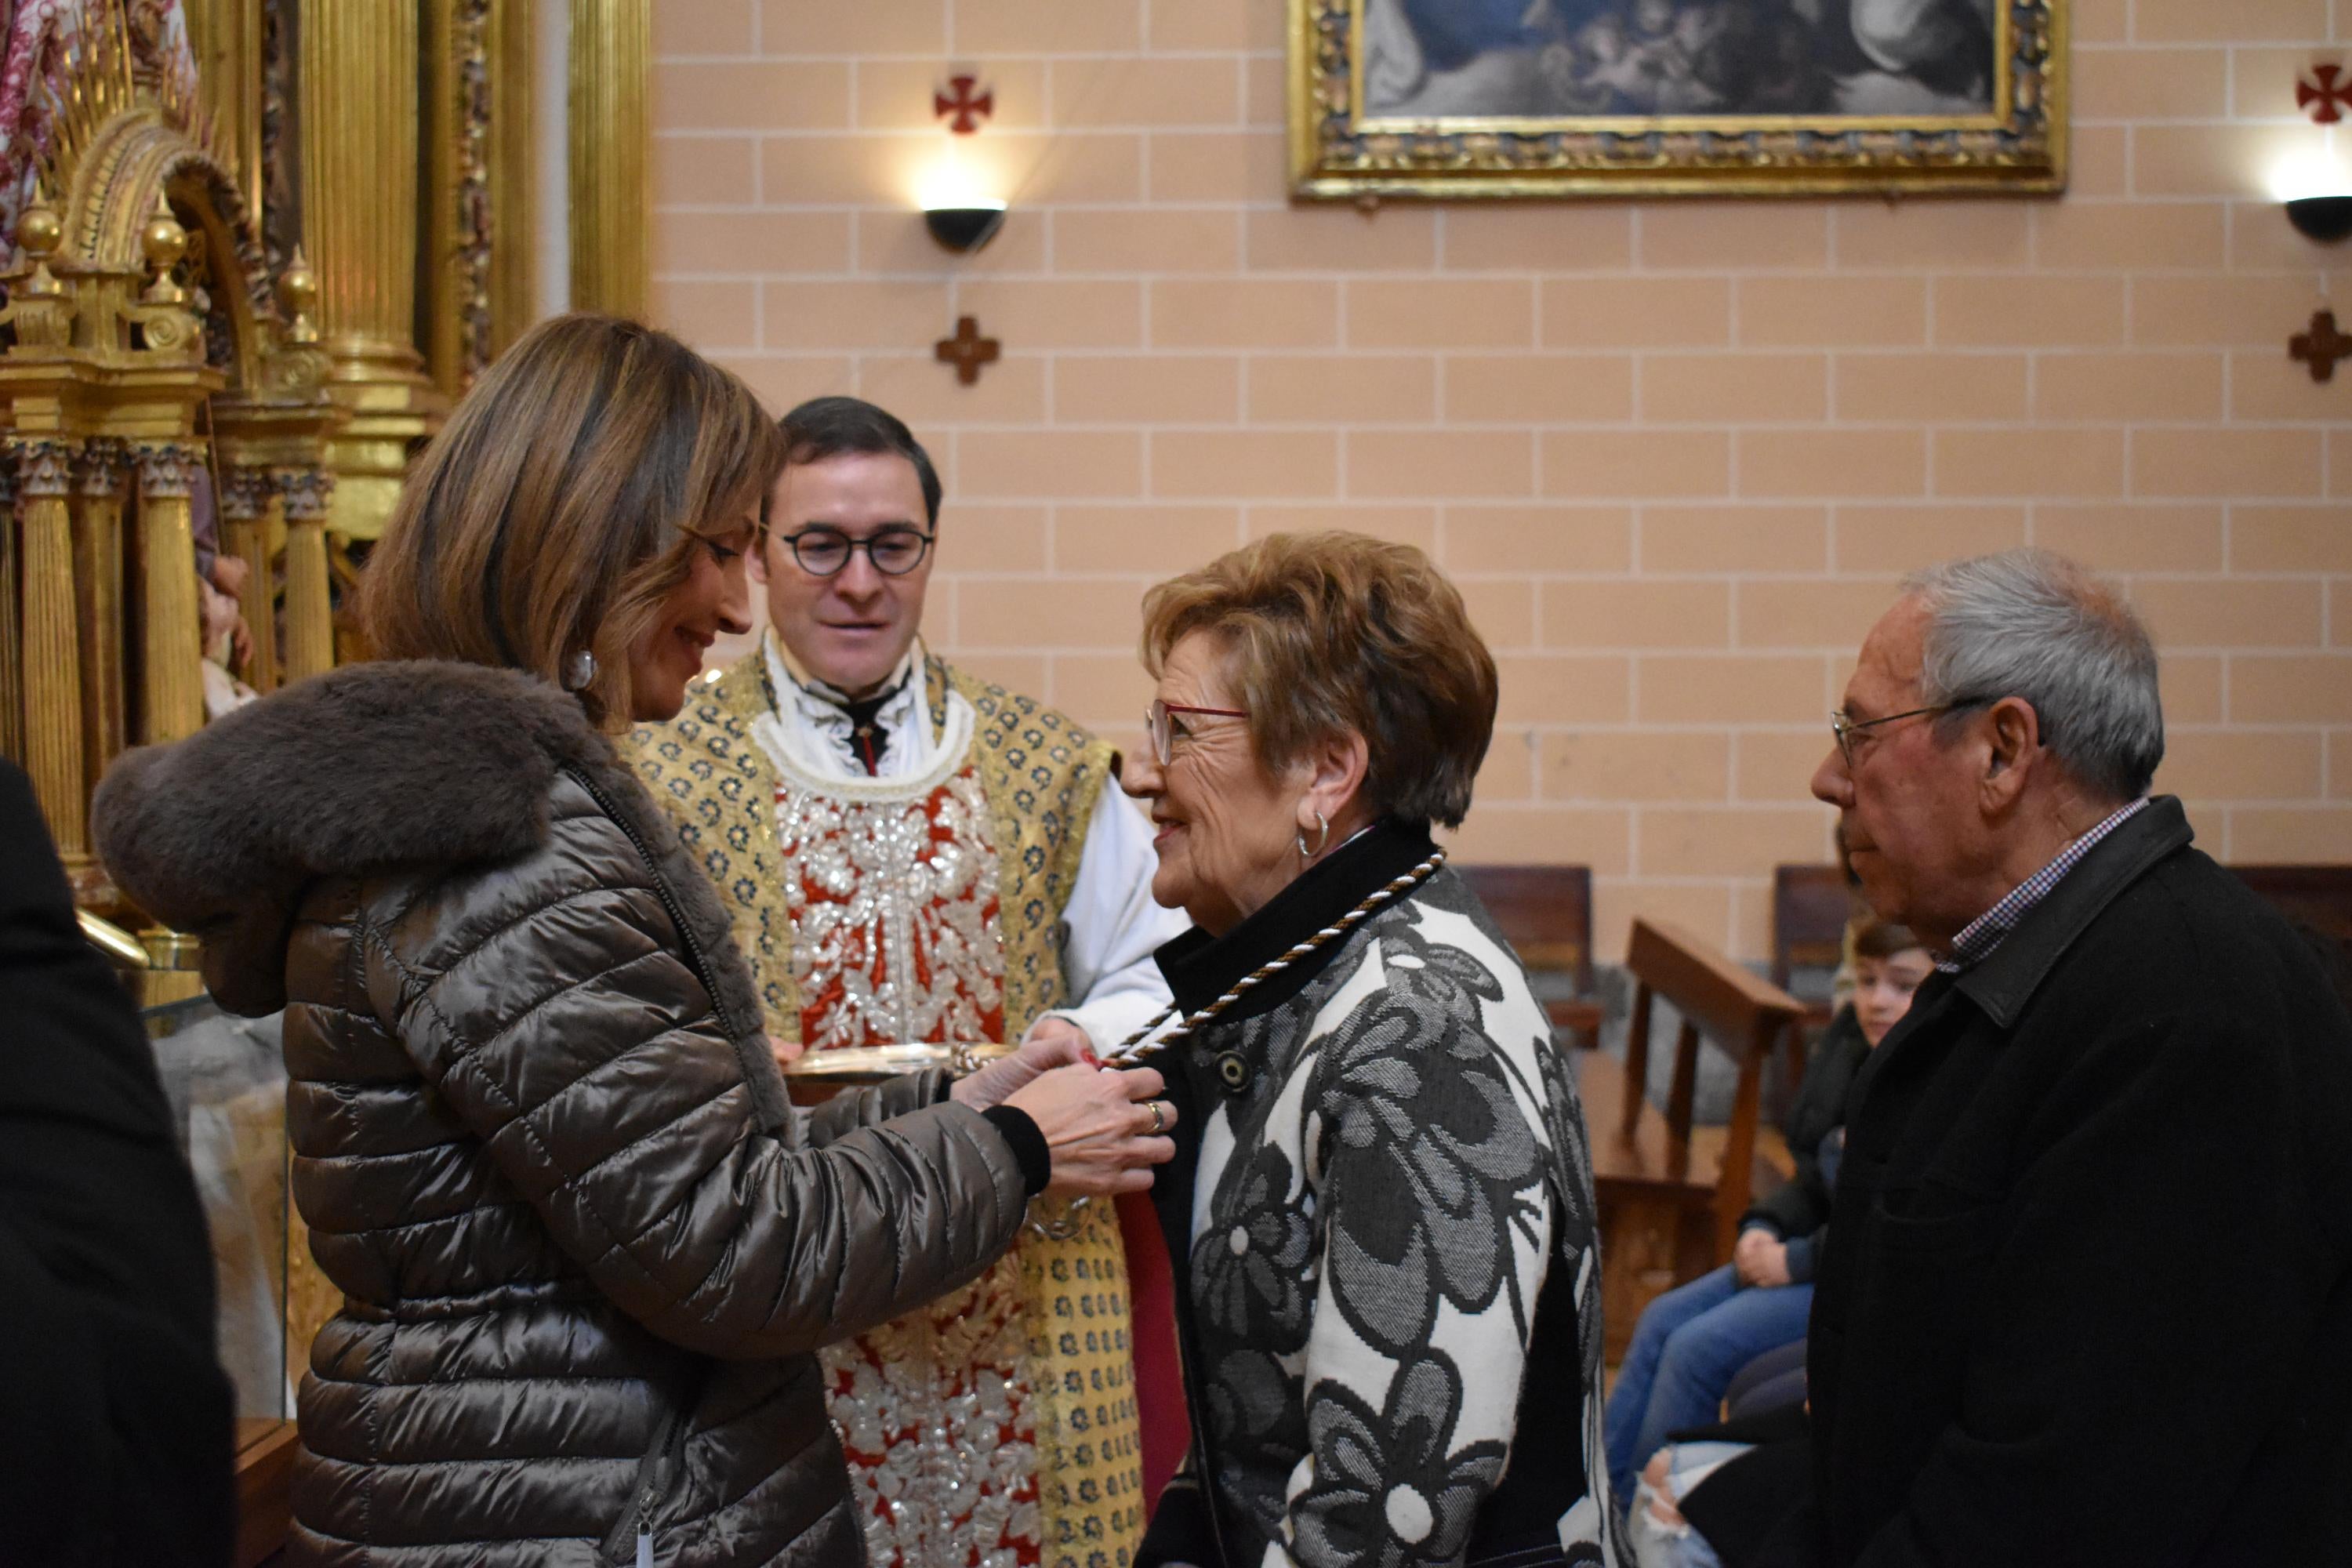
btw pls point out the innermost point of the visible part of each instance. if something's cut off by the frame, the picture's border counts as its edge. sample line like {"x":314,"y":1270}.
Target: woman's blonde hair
{"x":1324,"y":633}
{"x":560,"y":505}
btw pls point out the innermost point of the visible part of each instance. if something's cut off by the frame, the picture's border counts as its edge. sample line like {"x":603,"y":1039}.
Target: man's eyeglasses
{"x":1846,"y":728}
{"x":1160,"y":720}
{"x":825,"y":551}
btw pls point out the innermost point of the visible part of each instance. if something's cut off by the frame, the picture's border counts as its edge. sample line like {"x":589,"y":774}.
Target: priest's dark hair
{"x":829,"y":427}
{"x":1324,"y":632}
{"x":562,"y":502}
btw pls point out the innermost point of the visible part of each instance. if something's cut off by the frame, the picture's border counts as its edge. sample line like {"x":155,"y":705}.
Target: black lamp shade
{"x":2324,"y":218}
{"x":962,"y":229}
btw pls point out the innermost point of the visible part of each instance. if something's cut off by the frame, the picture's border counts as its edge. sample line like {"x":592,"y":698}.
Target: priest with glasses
{"x":915,"y":858}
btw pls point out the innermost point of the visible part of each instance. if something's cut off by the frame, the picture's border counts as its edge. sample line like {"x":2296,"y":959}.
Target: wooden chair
{"x":1546,"y":914}
{"x":1811,"y":906}
{"x":1670,"y":1204}
{"x":2317,"y":896}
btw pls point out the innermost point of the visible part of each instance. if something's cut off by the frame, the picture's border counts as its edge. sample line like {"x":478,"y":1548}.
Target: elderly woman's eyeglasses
{"x":1845,"y":728}
{"x":1160,"y":720}
{"x":825,"y":552}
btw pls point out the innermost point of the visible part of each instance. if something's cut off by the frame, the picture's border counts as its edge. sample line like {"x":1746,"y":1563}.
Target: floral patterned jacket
{"x":1381,"y":1220}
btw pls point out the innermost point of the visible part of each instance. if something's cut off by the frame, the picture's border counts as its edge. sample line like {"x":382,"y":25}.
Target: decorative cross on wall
{"x":967,"y":351}
{"x":2327,"y":100}
{"x":969,"y":107}
{"x":2320,"y":347}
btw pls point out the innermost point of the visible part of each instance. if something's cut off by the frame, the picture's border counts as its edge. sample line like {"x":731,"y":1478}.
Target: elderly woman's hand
{"x":1104,"y":1128}
{"x":1051,"y":1042}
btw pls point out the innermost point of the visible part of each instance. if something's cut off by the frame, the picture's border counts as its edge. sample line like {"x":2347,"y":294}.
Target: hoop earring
{"x":580,"y":671}
{"x":1324,"y":828}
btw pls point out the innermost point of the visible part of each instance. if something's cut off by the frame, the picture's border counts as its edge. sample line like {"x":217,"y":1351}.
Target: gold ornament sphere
{"x":41,"y":231}
{"x":164,"y":241}
{"x":297,"y":288}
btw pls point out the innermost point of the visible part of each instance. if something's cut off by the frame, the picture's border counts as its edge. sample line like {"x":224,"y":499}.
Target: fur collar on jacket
{"x":365,"y":769}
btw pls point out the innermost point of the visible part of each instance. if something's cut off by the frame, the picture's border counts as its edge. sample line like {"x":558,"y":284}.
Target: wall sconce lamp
{"x":2326,"y":219}
{"x":959,"y":207}
{"x":2313,"y":185}
{"x":2315,"y":188}
{"x":964,"y":225}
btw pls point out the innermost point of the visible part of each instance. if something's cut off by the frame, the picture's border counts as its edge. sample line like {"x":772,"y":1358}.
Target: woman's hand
{"x":1106,"y":1129}
{"x":1759,"y":1257}
{"x":1051,"y":1042}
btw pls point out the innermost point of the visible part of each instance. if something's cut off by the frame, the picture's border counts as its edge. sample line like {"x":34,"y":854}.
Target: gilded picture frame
{"x":1549,"y":99}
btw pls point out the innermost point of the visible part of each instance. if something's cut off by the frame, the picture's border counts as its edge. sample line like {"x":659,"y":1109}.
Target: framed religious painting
{"x":1597,"y":98}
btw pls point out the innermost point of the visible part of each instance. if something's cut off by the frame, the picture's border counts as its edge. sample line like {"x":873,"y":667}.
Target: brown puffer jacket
{"x":586,"y":1246}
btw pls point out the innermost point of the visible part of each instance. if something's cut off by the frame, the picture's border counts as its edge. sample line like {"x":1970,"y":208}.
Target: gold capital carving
{"x":104,"y":464}
{"x":167,"y":470}
{"x":243,"y":494}
{"x":44,"y":465}
{"x":309,"y":494}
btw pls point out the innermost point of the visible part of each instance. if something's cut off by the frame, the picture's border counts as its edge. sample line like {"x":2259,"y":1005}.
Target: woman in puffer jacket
{"x":586,"y":1246}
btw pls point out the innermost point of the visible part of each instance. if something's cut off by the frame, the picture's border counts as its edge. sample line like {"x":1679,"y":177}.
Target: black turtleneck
{"x":1200,"y":968}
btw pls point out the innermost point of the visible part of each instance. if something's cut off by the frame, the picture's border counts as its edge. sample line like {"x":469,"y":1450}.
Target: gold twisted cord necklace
{"x":1072,"y":1218}
{"x":1265,"y":972}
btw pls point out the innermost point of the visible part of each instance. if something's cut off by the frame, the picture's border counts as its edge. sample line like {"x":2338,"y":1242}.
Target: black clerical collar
{"x":1200,"y":968}
{"x":869,"y":743}
{"x":867,"y":739}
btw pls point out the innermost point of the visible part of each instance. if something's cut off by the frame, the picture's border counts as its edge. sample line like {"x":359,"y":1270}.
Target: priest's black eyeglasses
{"x":825,"y":552}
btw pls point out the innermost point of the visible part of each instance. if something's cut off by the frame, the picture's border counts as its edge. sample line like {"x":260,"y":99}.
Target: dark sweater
{"x":1798,"y":1211}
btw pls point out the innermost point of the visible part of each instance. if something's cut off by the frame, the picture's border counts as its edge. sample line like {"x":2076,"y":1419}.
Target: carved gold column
{"x":171,"y":644}
{"x":514,"y":171}
{"x":52,"y":656}
{"x":251,"y":514}
{"x":98,"y":592}
{"x":610,"y":118}
{"x":359,"y":113}
{"x":480,"y":240}
{"x":12,"y":647}
{"x":309,"y":609}
{"x":226,"y":38}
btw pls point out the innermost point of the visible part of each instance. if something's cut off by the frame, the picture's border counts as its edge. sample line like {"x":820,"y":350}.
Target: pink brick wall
{"x":1676,"y":454}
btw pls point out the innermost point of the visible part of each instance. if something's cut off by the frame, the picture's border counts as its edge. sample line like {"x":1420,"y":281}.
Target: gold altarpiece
{"x":278,"y":268}
{"x":263,"y":264}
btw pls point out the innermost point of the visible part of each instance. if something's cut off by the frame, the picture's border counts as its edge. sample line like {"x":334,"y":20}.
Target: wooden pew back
{"x":1546,"y":914}
{"x":1745,"y":1018}
{"x":2317,"y":896}
{"x":1810,"y":906}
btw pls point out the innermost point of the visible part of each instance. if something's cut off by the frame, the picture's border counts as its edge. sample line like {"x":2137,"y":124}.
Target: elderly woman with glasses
{"x":1381,"y":1211}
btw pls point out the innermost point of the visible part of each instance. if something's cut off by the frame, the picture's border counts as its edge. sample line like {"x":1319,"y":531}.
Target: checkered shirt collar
{"x":1985,"y":932}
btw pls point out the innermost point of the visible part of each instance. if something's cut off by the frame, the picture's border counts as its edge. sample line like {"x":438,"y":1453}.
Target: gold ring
{"x":1159,"y":1122}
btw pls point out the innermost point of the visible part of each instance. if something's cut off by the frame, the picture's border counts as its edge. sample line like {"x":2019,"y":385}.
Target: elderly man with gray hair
{"x":2089,"y":1295}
